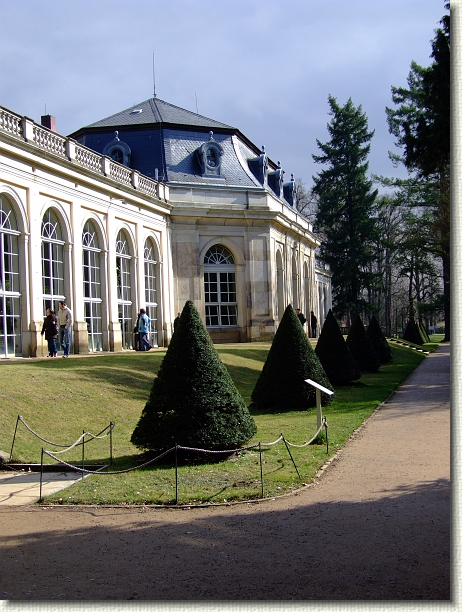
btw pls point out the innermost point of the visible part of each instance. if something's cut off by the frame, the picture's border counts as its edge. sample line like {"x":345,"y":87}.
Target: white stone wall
{"x":34,"y":180}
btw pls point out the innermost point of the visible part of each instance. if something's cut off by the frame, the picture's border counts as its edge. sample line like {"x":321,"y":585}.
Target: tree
{"x":306,"y":202}
{"x":291,"y":360}
{"x":334,"y":354}
{"x":421,"y":124}
{"x":378,"y":341}
{"x":361,"y":347}
{"x":345,"y":208}
{"x":193,"y":400}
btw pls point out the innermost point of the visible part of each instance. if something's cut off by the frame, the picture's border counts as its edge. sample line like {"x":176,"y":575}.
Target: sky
{"x":264,"y":67}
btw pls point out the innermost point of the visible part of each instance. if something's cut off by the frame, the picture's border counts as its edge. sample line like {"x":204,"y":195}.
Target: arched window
{"x":295,"y":296}
{"x":280,"y":285}
{"x":91,"y":262}
{"x":150,"y":284}
{"x":220,"y":287}
{"x":52,"y":261}
{"x":124,"y":291}
{"x":10,"y":296}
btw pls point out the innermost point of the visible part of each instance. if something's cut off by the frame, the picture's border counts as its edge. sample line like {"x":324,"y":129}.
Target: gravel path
{"x":374,"y":527}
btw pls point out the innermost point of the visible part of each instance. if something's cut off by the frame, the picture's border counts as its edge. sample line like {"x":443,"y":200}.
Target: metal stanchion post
{"x":14,"y":436}
{"x":261,"y":472}
{"x":176,"y":473}
{"x":290,"y":455}
{"x":41,"y":476}
{"x":110,"y":442}
{"x":83,"y":451}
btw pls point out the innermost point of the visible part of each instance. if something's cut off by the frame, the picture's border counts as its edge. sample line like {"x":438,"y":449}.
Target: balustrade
{"x":69,"y":149}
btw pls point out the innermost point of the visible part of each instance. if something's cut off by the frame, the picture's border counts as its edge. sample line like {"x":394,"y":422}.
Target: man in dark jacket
{"x":301,"y":316}
{"x":314,"y":324}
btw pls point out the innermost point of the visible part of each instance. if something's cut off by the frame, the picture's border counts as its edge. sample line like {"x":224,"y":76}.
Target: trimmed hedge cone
{"x":361,"y":347}
{"x":193,"y":400}
{"x":334,"y":354}
{"x":281,"y":385}
{"x":378,"y":341}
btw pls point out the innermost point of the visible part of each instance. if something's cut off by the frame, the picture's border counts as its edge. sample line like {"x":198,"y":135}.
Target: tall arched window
{"x":52,"y":261}
{"x":124,"y":291}
{"x":10,"y":297}
{"x":91,"y":262}
{"x":150,"y":284}
{"x":295,"y":296}
{"x":220,"y":287}
{"x":280,"y":284}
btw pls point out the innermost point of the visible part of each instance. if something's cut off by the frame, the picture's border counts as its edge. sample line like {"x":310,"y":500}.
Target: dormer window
{"x":118,"y":150}
{"x":209,"y":157}
{"x":259,"y":167}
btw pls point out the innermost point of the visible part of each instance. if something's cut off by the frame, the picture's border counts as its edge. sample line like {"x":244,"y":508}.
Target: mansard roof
{"x":158,"y":111}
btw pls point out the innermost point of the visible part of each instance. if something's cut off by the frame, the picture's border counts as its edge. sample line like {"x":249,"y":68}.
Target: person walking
{"x":301,"y":316}
{"x":50,"y":329}
{"x":143,"y":328}
{"x":314,"y":324}
{"x":65,"y":327}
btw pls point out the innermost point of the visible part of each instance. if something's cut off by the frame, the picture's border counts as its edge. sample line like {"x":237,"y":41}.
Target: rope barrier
{"x":84,"y":471}
{"x":87,"y":433}
{"x":99,"y":471}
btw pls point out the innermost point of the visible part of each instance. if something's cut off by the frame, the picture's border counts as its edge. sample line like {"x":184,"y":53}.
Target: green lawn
{"x":61,"y":398}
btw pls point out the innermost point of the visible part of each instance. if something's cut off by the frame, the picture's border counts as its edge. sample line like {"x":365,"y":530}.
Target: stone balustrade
{"x":66,"y":148}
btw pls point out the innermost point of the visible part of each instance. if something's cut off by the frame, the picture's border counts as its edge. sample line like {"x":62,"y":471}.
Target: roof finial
{"x":263,"y":148}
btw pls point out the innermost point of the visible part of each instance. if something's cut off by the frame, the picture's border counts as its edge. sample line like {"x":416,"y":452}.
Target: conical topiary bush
{"x":361,"y":347}
{"x":193,"y":400}
{"x":412,"y":333}
{"x":281,"y":385}
{"x":378,"y":341}
{"x":335,"y":356}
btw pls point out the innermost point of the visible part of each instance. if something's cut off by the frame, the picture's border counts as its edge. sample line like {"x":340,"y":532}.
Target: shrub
{"x":413,"y":333}
{"x":378,"y":341}
{"x":193,"y":400}
{"x":361,"y":347}
{"x":281,"y":385}
{"x":335,"y":356}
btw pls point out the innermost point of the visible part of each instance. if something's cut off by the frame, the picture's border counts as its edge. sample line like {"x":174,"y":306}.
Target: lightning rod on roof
{"x":154,"y":72}
{"x":197,"y":110}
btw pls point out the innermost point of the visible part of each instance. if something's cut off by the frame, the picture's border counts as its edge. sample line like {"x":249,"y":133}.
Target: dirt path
{"x":375,"y":527}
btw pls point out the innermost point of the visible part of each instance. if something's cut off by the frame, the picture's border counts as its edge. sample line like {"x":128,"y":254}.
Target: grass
{"x":59,"y":399}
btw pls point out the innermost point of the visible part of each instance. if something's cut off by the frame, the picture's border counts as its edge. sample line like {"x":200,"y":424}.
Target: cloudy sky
{"x":265,"y":67}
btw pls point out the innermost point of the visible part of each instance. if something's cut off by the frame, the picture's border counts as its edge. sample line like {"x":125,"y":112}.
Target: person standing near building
{"x":301,"y":316}
{"x":176,"y":321}
{"x":65,"y":327}
{"x":143,"y":327}
{"x":314,"y":324}
{"x":50,"y":329}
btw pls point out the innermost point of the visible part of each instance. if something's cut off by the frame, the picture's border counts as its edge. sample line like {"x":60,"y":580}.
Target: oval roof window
{"x":135,"y":111}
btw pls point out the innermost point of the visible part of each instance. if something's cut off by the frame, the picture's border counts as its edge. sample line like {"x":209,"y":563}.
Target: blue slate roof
{"x":163,"y":137}
{"x":155,"y":110}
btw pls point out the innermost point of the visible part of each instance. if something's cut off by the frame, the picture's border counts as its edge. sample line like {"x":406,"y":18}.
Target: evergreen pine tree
{"x":346,"y":205}
{"x":193,"y":400}
{"x":378,"y":341}
{"x":281,"y":385}
{"x":361,"y":347}
{"x":334,"y":354}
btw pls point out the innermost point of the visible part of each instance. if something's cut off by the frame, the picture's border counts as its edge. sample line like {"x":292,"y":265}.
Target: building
{"x":147,"y":208}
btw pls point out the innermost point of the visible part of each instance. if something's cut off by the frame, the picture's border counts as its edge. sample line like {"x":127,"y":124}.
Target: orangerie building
{"x":148,"y":208}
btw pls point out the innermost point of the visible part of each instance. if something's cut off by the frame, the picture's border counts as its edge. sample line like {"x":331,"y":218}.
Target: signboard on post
{"x":318,"y":388}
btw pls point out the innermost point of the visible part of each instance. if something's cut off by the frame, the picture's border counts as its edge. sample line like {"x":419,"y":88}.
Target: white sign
{"x":318,"y":386}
